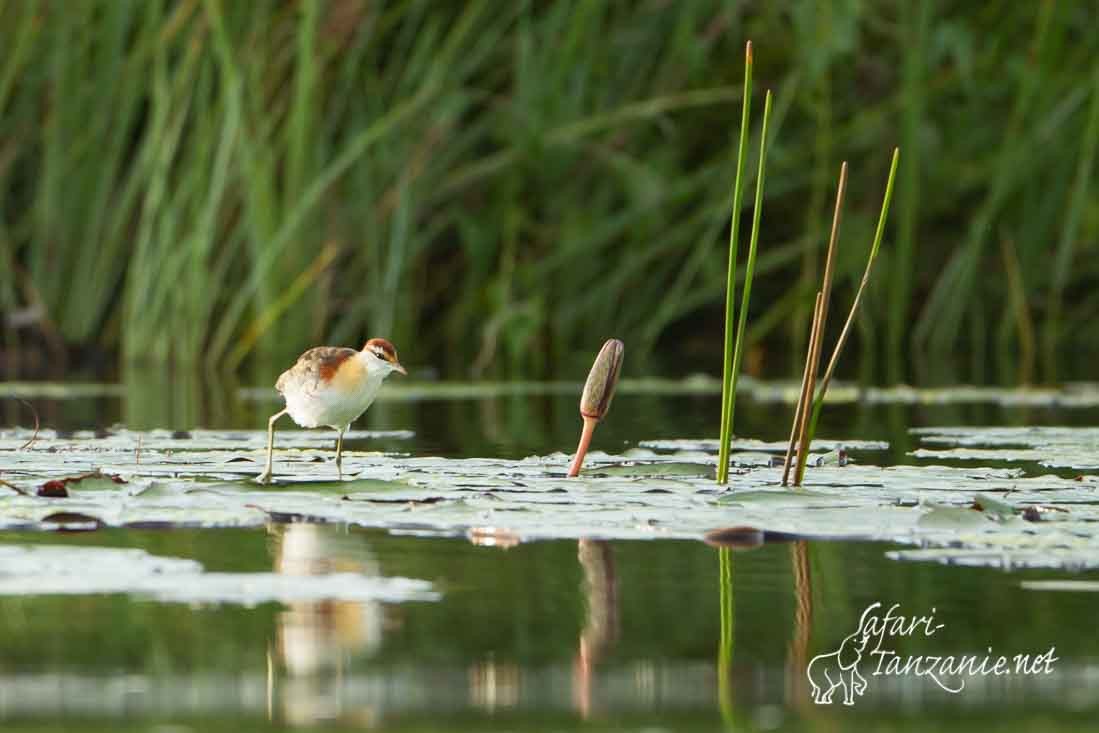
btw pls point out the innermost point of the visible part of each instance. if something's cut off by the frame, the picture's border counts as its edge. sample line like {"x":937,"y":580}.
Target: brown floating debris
{"x":53,"y":489}
{"x":596,"y":397}
{"x":73,"y":522}
{"x":58,"y":488}
{"x":737,"y":538}
{"x":1040,"y":513}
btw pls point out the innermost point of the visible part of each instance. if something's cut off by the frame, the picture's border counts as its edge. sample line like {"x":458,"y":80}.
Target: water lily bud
{"x":602,"y":379}
{"x":596,"y":399}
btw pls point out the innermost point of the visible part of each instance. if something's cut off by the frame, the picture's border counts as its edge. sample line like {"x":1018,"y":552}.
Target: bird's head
{"x":383,"y":355}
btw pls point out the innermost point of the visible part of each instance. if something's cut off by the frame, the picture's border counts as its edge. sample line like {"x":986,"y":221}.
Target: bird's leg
{"x":265,"y":477}
{"x":339,"y":452}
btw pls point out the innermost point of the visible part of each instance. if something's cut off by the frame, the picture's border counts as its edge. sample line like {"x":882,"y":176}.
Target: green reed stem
{"x":749,"y":269}
{"x":727,"y":395}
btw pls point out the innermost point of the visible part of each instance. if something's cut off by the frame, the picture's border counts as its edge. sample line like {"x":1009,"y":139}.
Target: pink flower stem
{"x":582,"y":449}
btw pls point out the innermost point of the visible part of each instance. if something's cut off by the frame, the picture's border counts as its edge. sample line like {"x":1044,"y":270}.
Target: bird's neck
{"x":375,"y":372}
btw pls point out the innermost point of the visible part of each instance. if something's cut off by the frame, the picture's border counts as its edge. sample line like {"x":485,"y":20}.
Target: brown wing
{"x":314,"y":368}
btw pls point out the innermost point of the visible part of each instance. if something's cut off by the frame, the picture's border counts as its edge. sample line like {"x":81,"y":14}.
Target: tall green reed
{"x":728,"y":396}
{"x":224,"y":184}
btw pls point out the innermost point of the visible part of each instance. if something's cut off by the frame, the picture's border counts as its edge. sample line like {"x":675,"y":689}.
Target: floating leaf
{"x":668,"y":468}
{"x":944,"y":517}
{"x":994,"y":507}
{"x":195,"y":482}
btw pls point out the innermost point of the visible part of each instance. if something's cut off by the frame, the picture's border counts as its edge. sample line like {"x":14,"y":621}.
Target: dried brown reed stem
{"x":37,"y":425}
{"x":827,"y":378}
{"x":13,"y":487}
{"x":816,"y":340}
{"x":804,"y":434}
{"x":819,"y":401}
{"x":801,"y":395}
{"x":810,"y":385}
{"x":829,"y":263}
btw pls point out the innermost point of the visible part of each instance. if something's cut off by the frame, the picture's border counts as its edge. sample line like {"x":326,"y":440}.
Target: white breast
{"x":338,"y":403}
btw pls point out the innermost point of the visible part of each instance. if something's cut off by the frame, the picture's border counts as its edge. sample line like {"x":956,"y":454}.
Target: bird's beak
{"x":398,"y":368}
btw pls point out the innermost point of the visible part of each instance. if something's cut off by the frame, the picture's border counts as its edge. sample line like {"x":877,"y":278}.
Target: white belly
{"x":330,"y":407}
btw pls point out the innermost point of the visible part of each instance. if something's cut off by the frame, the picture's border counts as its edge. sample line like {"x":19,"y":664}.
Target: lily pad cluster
{"x":975,"y":515}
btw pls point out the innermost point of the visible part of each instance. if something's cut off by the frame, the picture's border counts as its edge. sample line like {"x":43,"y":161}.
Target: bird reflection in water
{"x":493,"y":684}
{"x":316,"y":640}
{"x":600,"y":631}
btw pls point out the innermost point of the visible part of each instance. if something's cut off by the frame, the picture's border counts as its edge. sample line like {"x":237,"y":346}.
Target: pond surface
{"x":329,"y":626}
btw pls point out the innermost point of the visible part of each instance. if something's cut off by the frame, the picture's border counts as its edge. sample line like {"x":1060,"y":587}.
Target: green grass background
{"x":499,"y":186}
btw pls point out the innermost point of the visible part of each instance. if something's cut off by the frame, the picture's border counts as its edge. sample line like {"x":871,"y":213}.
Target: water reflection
{"x":630,"y":635}
{"x":600,"y":631}
{"x":797,"y":655}
{"x":494,"y":685}
{"x":315,"y":641}
{"x":726,"y":639}
{"x":739,"y":540}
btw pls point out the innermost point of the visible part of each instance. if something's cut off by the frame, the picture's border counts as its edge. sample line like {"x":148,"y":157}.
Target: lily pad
{"x":666,"y":468}
{"x":1072,"y":586}
{"x":1052,"y":447}
{"x":946,"y":517}
{"x":659,"y":489}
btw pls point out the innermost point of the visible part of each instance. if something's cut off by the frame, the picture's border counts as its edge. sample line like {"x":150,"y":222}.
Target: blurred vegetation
{"x":499,"y":186}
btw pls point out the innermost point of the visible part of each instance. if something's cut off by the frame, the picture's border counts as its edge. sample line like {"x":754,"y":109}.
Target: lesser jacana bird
{"x":332,"y":386}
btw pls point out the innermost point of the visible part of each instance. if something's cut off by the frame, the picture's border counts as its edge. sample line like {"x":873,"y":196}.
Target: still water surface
{"x":557,"y":635}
